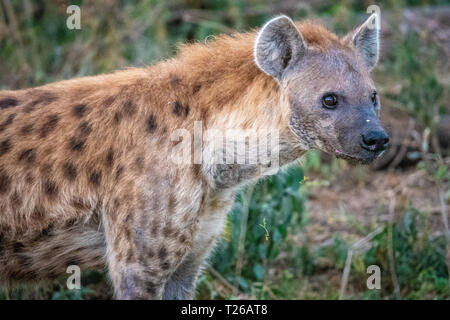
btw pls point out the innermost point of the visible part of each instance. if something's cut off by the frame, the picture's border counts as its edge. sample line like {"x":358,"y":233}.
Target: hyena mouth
{"x":353,"y":159}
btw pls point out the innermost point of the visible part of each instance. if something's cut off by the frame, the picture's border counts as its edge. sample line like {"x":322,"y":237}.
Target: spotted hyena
{"x":86,"y":175}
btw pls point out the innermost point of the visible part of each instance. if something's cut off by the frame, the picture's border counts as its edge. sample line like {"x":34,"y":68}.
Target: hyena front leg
{"x":143,"y":250}
{"x":181,"y":285}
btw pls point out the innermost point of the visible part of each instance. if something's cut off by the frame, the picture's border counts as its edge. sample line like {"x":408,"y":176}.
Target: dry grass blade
{"x":391,"y":251}
{"x":348,"y":262}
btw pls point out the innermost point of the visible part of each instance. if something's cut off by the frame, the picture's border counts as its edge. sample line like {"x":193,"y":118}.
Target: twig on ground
{"x":391,"y":251}
{"x":224,"y":281}
{"x":348,"y":262}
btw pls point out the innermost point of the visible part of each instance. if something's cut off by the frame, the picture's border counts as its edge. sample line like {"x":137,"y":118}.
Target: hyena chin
{"x":85,"y":172}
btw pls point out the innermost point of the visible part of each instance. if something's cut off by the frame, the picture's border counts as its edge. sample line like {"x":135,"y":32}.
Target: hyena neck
{"x":235,"y":97}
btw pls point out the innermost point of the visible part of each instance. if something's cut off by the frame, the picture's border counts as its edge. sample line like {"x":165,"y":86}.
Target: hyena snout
{"x":375,"y":140}
{"x":364,"y":141}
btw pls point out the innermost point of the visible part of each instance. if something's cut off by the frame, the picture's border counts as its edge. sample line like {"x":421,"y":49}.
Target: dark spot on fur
{"x":27,"y":261}
{"x":181,"y":110}
{"x":45,"y":233}
{"x":168,"y":231}
{"x":151,"y":123}
{"x":197,"y":171}
{"x":76,"y":144}
{"x":175,"y":81}
{"x":117,"y":117}
{"x":139,"y":164}
{"x":165,"y":265}
{"x":196,"y":88}
{"x":155,"y":229}
{"x":172,"y":202}
{"x":5,"y":146}
{"x":5,"y":182}
{"x":17,"y":247}
{"x":42,"y":97}
{"x":84,"y":129}
{"x":95,"y":177}
{"x":79,"y":110}
{"x":162,"y":254}
{"x":180,"y":253}
{"x":28,"y":156}
{"x":182,"y":238}
{"x":38,"y":213}
{"x":46,"y":169}
{"x":16,"y":200}
{"x":109,"y":101}
{"x":50,"y":188}
{"x":110,"y":158}
{"x":7,"y":122}
{"x":29,"y":178}
{"x":119,"y":172}
{"x":80,"y":205}
{"x":29,"y":107}
{"x":351,"y":69}
{"x":50,"y":125}
{"x":26,"y":130}
{"x":71,"y":222}
{"x":8,"y":103}
{"x":130,"y":256}
{"x":129,"y":108}
{"x":178,"y":108}
{"x":70,"y":171}
{"x":128,"y":219}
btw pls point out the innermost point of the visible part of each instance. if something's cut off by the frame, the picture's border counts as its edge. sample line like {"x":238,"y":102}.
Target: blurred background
{"x":309,"y":233}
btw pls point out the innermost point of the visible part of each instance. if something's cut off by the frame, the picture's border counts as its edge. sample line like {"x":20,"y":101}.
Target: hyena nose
{"x":375,"y":140}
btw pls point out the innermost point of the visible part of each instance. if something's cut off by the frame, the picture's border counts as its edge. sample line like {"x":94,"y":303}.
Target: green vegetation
{"x":267,"y":251}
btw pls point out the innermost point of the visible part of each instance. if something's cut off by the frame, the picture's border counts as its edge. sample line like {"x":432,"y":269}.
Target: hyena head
{"x":333,"y":102}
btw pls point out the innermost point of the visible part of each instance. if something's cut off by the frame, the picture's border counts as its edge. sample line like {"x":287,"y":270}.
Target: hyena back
{"x":85,"y":170}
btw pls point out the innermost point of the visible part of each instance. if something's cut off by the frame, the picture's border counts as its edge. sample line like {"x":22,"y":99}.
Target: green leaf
{"x":258,"y":271}
{"x":441,"y":172}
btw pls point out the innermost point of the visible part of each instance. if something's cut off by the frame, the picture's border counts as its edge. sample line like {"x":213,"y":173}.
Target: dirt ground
{"x":366,"y":201}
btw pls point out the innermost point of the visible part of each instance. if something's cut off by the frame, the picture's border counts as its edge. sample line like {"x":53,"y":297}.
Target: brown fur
{"x":84,"y":172}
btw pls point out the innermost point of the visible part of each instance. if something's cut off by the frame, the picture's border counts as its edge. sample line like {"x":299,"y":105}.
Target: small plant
{"x":275,"y":209}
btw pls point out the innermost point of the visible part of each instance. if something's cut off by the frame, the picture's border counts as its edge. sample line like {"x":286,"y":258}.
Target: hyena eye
{"x":374,"y":98}
{"x":329,"y":101}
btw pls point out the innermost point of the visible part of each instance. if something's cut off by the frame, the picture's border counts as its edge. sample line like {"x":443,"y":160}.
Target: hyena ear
{"x":366,"y":40}
{"x":279,"y":44}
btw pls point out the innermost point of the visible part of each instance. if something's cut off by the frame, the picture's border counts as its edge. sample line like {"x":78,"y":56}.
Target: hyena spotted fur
{"x":85,"y":175}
